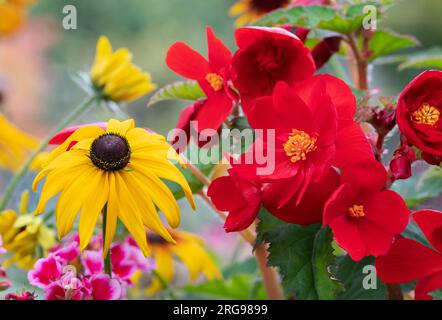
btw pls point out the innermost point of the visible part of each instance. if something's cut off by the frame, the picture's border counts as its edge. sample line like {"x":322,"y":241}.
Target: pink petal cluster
{"x":66,"y":274}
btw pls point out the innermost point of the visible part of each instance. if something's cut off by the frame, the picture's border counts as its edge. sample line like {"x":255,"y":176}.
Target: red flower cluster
{"x":317,"y":155}
{"x":409,"y":260}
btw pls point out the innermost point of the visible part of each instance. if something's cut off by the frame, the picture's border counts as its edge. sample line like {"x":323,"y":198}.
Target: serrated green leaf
{"x":385,"y":42}
{"x":303,"y":256}
{"x":351,"y":274}
{"x":420,"y":187}
{"x":182,"y":90}
{"x":344,"y":21}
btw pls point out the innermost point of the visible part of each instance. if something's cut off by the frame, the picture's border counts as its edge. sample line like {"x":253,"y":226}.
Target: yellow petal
{"x":130,"y":215}
{"x":112,"y":214}
{"x":93,"y":205}
{"x":120,"y":127}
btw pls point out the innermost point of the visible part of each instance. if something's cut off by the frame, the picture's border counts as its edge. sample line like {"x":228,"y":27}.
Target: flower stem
{"x":107,"y":256}
{"x":269,"y":274}
{"x":78,"y":111}
{"x":394,"y":291}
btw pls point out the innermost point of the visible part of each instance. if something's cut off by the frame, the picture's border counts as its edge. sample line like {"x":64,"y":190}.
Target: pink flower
{"x":68,"y":253}
{"x":101,"y":287}
{"x":25,"y":295}
{"x":92,"y":262}
{"x":68,"y":287}
{"x":45,"y":272}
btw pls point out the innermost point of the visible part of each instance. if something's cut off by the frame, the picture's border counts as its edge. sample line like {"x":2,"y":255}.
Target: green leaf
{"x":428,"y":59}
{"x":344,"y":21}
{"x":385,"y":42}
{"x":420,"y":187}
{"x":352,"y":275}
{"x":181,"y":90}
{"x":437,"y":295}
{"x":303,"y":256}
{"x":238,"y":287}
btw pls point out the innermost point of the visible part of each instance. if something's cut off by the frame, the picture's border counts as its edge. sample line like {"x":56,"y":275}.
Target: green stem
{"x":78,"y":111}
{"x":164,"y":284}
{"x":107,"y":259}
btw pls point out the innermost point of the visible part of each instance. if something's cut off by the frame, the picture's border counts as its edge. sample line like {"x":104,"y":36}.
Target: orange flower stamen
{"x":356,"y":211}
{"x":299,"y":144}
{"x":215,"y":81}
{"x":426,"y":114}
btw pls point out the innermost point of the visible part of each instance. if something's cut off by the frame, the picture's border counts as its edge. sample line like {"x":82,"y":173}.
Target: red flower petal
{"x":325,"y":49}
{"x":351,"y":147}
{"x":357,"y":175}
{"x":427,"y":285}
{"x":388,"y":211}
{"x":430,"y":222}
{"x":187,"y":62}
{"x":408,"y":260}
{"x":339,"y":92}
{"x":310,"y":210}
{"x":219,"y":55}
{"x":214,"y":111}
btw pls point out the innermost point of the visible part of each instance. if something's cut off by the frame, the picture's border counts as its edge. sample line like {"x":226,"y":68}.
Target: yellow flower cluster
{"x":25,"y":236}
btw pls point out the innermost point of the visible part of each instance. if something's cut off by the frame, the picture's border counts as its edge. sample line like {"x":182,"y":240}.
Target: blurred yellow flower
{"x":189,"y":250}
{"x":12,"y":15}
{"x":120,"y":168}
{"x":250,"y":11}
{"x":25,"y":236}
{"x":116,"y":75}
{"x":15,"y":145}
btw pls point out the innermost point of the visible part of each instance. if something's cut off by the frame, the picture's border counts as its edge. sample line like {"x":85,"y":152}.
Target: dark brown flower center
{"x":264,"y":6}
{"x":110,"y":152}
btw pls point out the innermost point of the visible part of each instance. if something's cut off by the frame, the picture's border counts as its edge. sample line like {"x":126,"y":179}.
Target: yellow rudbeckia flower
{"x":120,"y":168}
{"x":15,"y":145}
{"x":25,"y":236}
{"x":189,"y":249}
{"x":116,"y":76}
{"x":250,"y":11}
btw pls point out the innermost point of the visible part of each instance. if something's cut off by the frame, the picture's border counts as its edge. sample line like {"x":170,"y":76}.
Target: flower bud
{"x":400,"y":166}
{"x":384,"y":119}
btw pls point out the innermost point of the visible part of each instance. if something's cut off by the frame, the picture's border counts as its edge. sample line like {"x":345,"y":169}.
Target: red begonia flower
{"x":309,"y":2}
{"x":314,"y":129}
{"x":238,"y":196}
{"x":310,"y":210}
{"x":266,"y":56}
{"x":325,"y":49}
{"x":212,"y":75}
{"x":419,"y":110}
{"x":408,"y":260}
{"x":364,"y":216}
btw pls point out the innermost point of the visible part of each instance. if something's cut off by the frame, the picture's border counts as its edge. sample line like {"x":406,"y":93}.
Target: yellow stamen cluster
{"x":299,"y":144}
{"x":215,"y":81}
{"x":356,"y":211}
{"x":426,"y":114}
